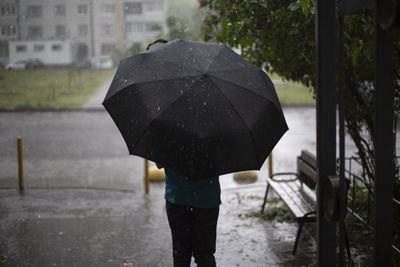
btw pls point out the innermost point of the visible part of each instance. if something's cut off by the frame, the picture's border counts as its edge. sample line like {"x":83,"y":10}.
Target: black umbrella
{"x":197,"y":108}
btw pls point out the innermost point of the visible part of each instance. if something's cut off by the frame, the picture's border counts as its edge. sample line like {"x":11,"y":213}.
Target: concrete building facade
{"x":62,"y":32}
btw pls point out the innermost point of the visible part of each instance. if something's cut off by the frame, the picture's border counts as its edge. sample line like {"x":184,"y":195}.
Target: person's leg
{"x":179,"y":222}
{"x":204,"y":233}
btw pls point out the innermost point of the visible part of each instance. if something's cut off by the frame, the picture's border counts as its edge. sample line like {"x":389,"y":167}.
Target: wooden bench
{"x":297,"y":190}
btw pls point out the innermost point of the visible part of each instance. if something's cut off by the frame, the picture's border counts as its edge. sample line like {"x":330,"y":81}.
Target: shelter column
{"x":383,"y":145}
{"x":326,"y":124}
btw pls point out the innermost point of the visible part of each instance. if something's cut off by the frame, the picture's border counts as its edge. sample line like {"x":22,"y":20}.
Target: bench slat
{"x":292,"y":195}
{"x":309,"y":158}
{"x":306,"y":194}
{"x":306,"y":169}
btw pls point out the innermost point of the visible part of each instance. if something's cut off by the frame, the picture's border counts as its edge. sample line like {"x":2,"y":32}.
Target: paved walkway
{"x":64,"y":219}
{"x":84,"y":227}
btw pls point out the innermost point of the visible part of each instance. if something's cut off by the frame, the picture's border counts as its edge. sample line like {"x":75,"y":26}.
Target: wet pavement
{"x":84,"y":203}
{"x":81,"y":227}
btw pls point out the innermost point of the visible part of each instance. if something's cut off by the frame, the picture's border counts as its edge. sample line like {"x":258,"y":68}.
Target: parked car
{"x":34,"y":63}
{"x":31,"y":63}
{"x":18,"y":65}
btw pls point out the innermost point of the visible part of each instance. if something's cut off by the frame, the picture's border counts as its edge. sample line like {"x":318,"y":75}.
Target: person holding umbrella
{"x":192,"y":209}
{"x":202,"y":111}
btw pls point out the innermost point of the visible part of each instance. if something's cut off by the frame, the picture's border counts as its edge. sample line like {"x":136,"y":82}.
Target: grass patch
{"x":276,"y":210}
{"x":291,"y":92}
{"x":54,"y":88}
{"x":69,"y":87}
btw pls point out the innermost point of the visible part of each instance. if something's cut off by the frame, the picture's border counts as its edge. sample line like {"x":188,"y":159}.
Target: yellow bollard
{"x":146,"y":176}
{"x":156,"y":174}
{"x":270,"y":164}
{"x":20,"y":164}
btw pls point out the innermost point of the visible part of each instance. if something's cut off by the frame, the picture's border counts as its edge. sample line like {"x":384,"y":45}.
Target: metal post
{"x":146,"y":176}
{"x":326,"y":124}
{"x":383,"y":145}
{"x":20,"y":164}
{"x":270,"y":164}
{"x":343,"y":190}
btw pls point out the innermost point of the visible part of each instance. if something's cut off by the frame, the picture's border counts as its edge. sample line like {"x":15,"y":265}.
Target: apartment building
{"x":65,"y":31}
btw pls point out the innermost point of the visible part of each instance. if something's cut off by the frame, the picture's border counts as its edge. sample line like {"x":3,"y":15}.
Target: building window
{"x":56,"y":47}
{"x":154,"y":6}
{"x":107,"y":49}
{"x":107,"y":9}
{"x":35,"y":31}
{"x":106,"y":29}
{"x":60,"y":10}
{"x":21,"y":48}
{"x":38,"y":48}
{"x":83,"y":30}
{"x":82,"y":9}
{"x":8,"y":30}
{"x":60,"y":31}
{"x":133,"y":8}
{"x":153,"y":27}
{"x":7,"y":10}
{"x":34,"y":12}
{"x":134,"y":27}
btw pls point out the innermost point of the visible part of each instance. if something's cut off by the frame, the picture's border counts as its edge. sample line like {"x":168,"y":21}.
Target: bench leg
{"x":297,"y":237}
{"x":301,"y":223}
{"x":265,"y":199}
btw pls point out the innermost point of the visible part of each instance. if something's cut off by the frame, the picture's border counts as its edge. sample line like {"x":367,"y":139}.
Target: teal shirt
{"x":181,"y":190}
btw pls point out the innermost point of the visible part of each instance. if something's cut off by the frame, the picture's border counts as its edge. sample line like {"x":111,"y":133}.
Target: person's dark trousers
{"x":194,"y":232}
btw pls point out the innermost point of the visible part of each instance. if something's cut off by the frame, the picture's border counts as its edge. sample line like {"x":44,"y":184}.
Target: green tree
{"x":279,"y":35}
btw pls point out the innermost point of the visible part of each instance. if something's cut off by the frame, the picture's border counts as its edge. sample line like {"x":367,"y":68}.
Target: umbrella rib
{"x":169,"y":79}
{"x":243,"y":88}
{"x":152,"y":81}
{"x":244,"y":122}
{"x":154,"y":119}
{"x":213,"y":60}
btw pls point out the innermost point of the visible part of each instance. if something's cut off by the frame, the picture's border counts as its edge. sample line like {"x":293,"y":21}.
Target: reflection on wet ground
{"x":81,"y":227}
{"x":73,"y":226}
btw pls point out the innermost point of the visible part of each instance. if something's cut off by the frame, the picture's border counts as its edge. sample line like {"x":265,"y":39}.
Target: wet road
{"x":82,"y":148}
{"x":83,"y":227}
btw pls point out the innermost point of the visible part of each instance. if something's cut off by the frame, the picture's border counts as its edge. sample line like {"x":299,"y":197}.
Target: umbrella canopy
{"x":197,"y":108}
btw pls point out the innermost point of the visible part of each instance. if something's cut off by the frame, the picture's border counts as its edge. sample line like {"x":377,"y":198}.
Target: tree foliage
{"x":279,"y":35}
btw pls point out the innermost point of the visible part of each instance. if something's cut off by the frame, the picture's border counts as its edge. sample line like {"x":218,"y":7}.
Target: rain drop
{"x":205,"y":103}
{"x":158,"y":107}
{"x":125,"y":81}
